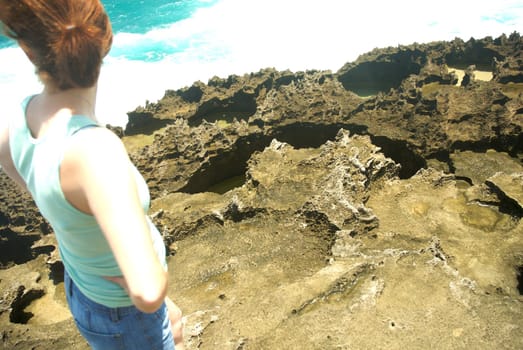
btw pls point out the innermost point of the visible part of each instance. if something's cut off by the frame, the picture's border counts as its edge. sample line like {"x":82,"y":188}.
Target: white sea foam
{"x":238,"y":36}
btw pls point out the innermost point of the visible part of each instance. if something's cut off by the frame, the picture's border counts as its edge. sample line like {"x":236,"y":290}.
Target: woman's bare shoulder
{"x":96,"y":150}
{"x":98,"y":141}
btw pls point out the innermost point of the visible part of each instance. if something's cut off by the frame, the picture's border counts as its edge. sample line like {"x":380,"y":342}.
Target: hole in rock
{"x":308,"y":135}
{"x":56,"y":272}
{"x":369,"y":78}
{"x":227,"y":184}
{"x":464,"y":179}
{"x":313,"y":136}
{"x":401,"y":154}
{"x":507,"y":205}
{"x":15,"y":248}
{"x":46,"y":249}
{"x":18,"y":314}
{"x":480,"y":57}
{"x":144,"y":123}
{"x":227,"y":170}
{"x":241,"y":106}
{"x":4,"y":219}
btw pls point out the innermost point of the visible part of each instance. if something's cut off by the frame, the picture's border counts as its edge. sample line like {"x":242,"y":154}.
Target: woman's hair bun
{"x":78,"y":53}
{"x":67,"y":40}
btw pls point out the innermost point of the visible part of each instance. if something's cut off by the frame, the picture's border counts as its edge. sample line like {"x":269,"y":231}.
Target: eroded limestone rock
{"x":276,"y":277}
{"x":511,"y":185}
{"x":402,"y":230}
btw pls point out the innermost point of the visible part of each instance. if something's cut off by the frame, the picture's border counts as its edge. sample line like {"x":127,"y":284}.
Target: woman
{"x":83,"y":182}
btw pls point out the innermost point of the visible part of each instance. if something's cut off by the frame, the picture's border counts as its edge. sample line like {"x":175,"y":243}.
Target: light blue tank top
{"x":84,"y":250}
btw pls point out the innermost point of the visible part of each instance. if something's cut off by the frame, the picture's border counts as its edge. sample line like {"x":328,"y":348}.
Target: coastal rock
{"x":319,"y":210}
{"x":511,"y":185}
{"x":418,"y":116}
{"x":478,"y":167}
{"x":286,"y":252}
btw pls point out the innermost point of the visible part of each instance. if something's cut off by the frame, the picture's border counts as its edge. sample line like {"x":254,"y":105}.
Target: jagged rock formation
{"x":376,"y":207}
{"x":424,"y":117}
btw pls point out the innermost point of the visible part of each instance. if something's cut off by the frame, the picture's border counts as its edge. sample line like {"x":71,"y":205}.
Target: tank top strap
{"x":79,"y":122}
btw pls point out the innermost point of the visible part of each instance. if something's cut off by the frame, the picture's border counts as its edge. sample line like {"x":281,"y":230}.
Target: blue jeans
{"x":124,"y":328}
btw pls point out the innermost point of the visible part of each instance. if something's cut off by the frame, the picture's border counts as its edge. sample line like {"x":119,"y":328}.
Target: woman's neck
{"x":77,"y":100}
{"x":52,"y":103}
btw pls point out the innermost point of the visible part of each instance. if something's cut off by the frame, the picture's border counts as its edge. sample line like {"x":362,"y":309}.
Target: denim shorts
{"x":124,"y":328}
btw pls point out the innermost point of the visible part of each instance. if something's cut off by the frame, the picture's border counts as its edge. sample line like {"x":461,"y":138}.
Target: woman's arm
{"x":97,"y":178}
{"x":5,"y":156}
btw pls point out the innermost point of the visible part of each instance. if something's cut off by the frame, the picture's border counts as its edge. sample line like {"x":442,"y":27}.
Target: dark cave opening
{"x":227,"y":170}
{"x":507,"y":205}
{"x":143,"y":123}
{"x":369,"y":78}
{"x":313,"y":136}
{"x":399,"y":152}
{"x":16,"y":248}
{"x":227,"y":184}
{"x":18,"y":313}
{"x":309,"y":135}
{"x":56,"y":272}
{"x":241,"y":106}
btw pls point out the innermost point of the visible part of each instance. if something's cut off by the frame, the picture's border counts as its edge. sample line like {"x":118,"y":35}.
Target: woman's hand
{"x":177,"y":323}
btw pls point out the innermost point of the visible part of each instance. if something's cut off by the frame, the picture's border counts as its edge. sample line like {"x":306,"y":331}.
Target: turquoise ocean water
{"x":132,"y":17}
{"x":161,"y":44}
{"x":140,"y":17}
{"x":146,"y":34}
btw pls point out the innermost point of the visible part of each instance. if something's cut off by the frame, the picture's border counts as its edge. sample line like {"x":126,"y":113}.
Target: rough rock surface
{"x":376,"y":207}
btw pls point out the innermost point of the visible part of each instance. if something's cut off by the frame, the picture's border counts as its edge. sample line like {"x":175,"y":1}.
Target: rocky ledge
{"x":376,"y":207}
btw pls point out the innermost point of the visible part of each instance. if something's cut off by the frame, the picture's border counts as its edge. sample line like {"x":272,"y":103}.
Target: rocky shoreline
{"x":375,"y":207}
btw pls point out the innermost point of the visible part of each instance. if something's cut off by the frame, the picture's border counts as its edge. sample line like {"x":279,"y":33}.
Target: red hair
{"x":67,"y":39}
